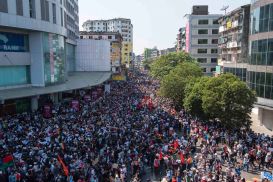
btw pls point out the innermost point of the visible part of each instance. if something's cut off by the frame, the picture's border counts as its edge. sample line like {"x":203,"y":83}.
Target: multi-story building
{"x":233,"y":41}
{"x":37,"y":50}
{"x":151,"y":53}
{"x":166,"y":51}
{"x":181,"y":40}
{"x":115,"y":39}
{"x":260,"y":67}
{"x":202,"y":38}
{"x":121,"y":25}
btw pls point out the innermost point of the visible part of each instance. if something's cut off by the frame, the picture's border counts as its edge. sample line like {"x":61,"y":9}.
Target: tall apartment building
{"x":115,"y":40}
{"x":37,"y":50}
{"x":151,"y":53}
{"x":181,"y":40}
{"x":120,"y":25}
{"x":202,"y":38}
{"x":260,"y":65}
{"x":233,"y":42}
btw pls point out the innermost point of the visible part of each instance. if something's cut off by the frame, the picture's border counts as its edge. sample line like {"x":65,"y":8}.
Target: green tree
{"x":164,"y":64}
{"x":229,"y":100}
{"x":173,"y":84}
{"x":193,"y":97}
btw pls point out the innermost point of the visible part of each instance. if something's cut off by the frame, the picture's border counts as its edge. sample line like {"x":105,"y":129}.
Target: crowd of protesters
{"x":129,"y":134}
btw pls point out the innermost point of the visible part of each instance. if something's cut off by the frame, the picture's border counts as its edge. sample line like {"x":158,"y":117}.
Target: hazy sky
{"x":156,"y":22}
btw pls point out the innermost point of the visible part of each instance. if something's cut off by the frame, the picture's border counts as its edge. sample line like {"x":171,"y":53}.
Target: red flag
{"x":182,"y":158}
{"x":175,"y":144}
{"x":160,"y":156}
{"x":63,"y":165}
{"x":8,"y":159}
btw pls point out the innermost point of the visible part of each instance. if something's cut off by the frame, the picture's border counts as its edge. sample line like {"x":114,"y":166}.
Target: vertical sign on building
{"x":51,"y":52}
{"x":188,"y":36}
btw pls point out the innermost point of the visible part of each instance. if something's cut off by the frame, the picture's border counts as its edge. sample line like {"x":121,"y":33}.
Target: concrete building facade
{"x":120,"y":25}
{"x":202,"y":38}
{"x":233,"y":42}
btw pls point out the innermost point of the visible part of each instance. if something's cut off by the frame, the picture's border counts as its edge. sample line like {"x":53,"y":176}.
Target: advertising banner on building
{"x":11,"y":42}
{"x":75,"y":104}
{"x":47,"y":111}
{"x":188,"y":37}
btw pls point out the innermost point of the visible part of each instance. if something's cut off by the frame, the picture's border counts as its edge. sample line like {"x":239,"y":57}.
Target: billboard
{"x":188,"y":36}
{"x":11,"y":42}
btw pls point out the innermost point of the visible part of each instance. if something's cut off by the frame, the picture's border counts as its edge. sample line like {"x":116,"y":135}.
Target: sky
{"x":156,"y":22}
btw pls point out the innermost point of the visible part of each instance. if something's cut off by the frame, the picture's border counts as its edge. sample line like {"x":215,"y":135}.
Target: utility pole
{"x":224,"y":8}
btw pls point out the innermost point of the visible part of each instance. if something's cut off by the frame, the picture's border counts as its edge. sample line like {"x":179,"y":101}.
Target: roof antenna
{"x":224,"y":8}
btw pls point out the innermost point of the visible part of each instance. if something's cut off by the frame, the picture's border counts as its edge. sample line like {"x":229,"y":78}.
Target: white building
{"x":121,"y":25}
{"x":37,"y":50}
{"x":93,"y":55}
{"x":202,"y":38}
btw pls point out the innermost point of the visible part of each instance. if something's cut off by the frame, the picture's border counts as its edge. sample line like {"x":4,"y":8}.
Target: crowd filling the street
{"x":129,"y":134}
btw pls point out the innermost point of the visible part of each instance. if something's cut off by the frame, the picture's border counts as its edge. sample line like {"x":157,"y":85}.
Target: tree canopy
{"x":173,"y":84}
{"x":164,"y":64}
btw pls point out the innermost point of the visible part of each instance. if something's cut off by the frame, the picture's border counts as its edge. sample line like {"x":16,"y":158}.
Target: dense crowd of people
{"x":129,"y":134}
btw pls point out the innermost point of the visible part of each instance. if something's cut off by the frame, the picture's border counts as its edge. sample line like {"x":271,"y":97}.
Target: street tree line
{"x":224,"y":98}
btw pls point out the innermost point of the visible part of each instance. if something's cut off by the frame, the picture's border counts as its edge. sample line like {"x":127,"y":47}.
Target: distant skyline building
{"x":151,"y":53}
{"x":202,"y":38}
{"x":120,"y":25}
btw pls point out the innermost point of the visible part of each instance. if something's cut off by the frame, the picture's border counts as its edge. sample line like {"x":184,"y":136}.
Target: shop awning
{"x":76,"y":80}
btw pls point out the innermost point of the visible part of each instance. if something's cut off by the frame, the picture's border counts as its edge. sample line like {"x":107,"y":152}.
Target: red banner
{"x":75,"y":104}
{"x":65,"y":169}
{"x":47,"y":111}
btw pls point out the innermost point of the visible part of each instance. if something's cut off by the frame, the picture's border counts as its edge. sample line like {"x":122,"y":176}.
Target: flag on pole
{"x":65,"y":169}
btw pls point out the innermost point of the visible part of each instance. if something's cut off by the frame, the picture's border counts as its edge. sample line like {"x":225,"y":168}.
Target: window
{"x":4,"y":6}
{"x":62,"y":18}
{"x":44,"y":10}
{"x":203,"y":22}
{"x":19,"y":7}
{"x":215,"y":31}
{"x":109,"y":37}
{"x":202,"y":51}
{"x":81,"y":37}
{"x":204,"y":70}
{"x":215,"y":22}
{"x":202,"y":60}
{"x":213,"y":60}
{"x":212,"y":69}
{"x":90,"y":37}
{"x":32,"y":12}
{"x":214,"y":41}
{"x":214,"y":51}
{"x":202,"y":41}
{"x":54,"y":12}
{"x":202,"y":31}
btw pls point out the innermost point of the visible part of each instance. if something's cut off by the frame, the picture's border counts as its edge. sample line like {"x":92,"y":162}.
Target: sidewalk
{"x":256,"y":126}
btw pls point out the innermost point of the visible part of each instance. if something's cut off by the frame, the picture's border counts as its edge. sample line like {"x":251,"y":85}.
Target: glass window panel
{"x":266,"y":11}
{"x":265,"y":25}
{"x":267,"y":92}
{"x":14,"y":75}
{"x":258,"y":59}
{"x":270,"y":58}
{"x":262,"y":78}
{"x":268,"y":79}
{"x":261,"y":90}
{"x":263,"y":58}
